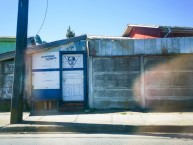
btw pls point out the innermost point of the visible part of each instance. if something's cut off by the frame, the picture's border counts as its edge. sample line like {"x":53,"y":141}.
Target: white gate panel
{"x":73,"y":86}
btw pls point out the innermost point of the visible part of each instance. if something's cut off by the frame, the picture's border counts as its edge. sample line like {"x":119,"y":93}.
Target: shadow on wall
{"x":168,"y":82}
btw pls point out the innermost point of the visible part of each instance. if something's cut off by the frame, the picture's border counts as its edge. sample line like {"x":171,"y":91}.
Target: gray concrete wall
{"x":128,"y":73}
{"x":113,"y":82}
{"x":168,"y":81}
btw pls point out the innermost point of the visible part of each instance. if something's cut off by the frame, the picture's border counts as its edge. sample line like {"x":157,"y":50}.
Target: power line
{"x":43,"y":19}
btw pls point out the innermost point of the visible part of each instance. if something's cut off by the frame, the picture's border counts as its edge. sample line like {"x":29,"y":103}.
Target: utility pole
{"x":19,"y":72}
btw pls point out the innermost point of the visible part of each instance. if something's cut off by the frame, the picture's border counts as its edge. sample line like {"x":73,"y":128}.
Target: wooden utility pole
{"x":19,"y":72}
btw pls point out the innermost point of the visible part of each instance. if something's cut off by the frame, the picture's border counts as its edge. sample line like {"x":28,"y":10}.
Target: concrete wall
{"x":125,"y":73}
{"x":168,"y":81}
{"x":113,"y":82}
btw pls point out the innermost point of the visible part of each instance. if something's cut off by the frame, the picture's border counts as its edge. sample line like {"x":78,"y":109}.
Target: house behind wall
{"x":156,"y":31}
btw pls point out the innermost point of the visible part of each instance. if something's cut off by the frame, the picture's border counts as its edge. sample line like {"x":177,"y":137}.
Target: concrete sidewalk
{"x":101,"y":122}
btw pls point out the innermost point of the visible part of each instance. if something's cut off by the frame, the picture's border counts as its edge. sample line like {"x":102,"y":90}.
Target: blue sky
{"x":94,"y":17}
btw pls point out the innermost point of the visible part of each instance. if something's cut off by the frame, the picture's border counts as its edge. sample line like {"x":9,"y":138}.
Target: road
{"x":95,"y":139}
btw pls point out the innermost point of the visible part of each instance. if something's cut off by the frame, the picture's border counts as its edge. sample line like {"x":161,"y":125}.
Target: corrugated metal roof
{"x":36,"y":48}
{"x":177,"y":27}
{"x":7,"y":55}
{"x":158,"y":26}
{"x":7,"y":37}
{"x":143,"y":25}
{"x":7,"y":51}
{"x":7,"y":44}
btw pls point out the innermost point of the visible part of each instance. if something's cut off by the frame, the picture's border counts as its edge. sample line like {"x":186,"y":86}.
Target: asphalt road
{"x":95,"y":139}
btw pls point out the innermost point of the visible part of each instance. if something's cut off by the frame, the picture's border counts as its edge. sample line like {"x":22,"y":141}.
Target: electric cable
{"x":45,"y":15}
{"x":44,"y":18}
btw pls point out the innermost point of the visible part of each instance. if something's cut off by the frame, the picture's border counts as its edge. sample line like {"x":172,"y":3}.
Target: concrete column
{"x":90,"y":73}
{"x":143,"y":103}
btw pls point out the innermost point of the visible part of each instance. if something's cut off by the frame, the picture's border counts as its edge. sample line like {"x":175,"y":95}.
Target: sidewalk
{"x":101,"y":122}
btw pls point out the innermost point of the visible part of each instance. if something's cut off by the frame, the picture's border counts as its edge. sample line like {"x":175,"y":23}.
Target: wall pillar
{"x":143,"y":103}
{"x":90,"y":74}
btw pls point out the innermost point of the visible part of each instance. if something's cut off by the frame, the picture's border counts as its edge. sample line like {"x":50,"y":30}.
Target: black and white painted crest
{"x":72,"y":60}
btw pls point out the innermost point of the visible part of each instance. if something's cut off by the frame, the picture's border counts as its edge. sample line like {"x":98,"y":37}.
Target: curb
{"x":96,"y":128}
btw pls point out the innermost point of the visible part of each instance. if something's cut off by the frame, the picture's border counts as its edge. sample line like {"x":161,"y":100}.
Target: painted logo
{"x":71,"y":60}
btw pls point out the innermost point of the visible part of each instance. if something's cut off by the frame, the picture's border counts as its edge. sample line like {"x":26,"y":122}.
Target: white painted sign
{"x":72,"y":61}
{"x":45,"y":60}
{"x":73,"y":86}
{"x":46,"y":80}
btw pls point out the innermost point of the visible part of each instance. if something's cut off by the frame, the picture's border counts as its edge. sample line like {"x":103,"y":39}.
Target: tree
{"x":69,"y":33}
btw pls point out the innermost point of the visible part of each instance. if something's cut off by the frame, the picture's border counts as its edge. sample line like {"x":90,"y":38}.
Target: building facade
{"x":109,"y":72}
{"x":113,"y":72}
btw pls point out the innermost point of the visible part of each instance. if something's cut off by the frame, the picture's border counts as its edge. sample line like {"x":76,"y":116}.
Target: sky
{"x":94,"y":17}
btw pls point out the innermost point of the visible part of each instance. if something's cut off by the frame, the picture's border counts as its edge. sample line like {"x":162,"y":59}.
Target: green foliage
{"x":70,"y":33}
